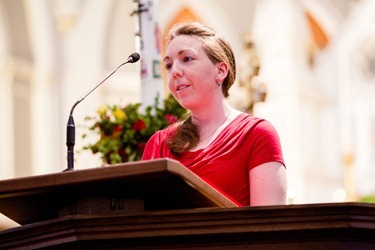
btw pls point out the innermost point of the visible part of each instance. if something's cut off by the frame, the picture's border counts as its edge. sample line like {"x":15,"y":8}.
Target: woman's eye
{"x":187,"y":59}
{"x":168,"y":66}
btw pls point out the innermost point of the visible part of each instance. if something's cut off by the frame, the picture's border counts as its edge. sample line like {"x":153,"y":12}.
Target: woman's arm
{"x":268,"y":184}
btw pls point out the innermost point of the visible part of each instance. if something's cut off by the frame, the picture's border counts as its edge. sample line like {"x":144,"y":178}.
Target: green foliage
{"x":124,"y":131}
{"x":368,"y":199}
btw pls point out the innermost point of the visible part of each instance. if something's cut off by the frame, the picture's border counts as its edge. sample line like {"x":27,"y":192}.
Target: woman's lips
{"x":182,"y":87}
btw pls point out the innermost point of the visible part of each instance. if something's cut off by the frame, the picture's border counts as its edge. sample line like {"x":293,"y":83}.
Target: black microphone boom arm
{"x":70,"y":133}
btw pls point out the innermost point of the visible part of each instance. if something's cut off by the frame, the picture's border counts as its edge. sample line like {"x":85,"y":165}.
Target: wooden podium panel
{"x":345,"y":226}
{"x":160,"y":204}
{"x":154,"y":185}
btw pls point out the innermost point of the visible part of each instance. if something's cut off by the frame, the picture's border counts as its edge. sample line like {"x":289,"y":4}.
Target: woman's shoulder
{"x":245,"y":123}
{"x":246,"y":118}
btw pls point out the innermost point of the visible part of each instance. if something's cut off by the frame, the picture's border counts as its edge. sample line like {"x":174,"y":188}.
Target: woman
{"x":235,"y":152}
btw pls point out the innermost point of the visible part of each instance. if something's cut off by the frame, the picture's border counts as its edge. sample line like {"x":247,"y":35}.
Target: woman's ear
{"x":222,"y":71}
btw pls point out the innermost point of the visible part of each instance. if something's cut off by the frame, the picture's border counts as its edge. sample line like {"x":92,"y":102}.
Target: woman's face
{"x":191,"y":74}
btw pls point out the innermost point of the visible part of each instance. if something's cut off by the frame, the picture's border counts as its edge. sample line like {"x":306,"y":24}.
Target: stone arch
{"x":317,"y":32}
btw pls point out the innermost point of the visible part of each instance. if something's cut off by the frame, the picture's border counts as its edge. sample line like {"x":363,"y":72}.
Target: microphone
{"x":134,"y":57}
{"x":70,"y":133}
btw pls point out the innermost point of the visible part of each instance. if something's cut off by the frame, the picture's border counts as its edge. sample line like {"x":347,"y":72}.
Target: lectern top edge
{"x":162,"y":184}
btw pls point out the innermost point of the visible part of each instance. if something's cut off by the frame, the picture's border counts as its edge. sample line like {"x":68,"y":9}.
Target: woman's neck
{"x":210,"y":115}
{"x":212,"y":122}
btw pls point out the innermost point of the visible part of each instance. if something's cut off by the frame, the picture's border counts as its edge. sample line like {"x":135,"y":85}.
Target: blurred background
{"x":306,"y":66}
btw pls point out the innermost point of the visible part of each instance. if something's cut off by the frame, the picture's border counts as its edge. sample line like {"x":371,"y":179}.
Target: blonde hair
{"x":186,"y":136}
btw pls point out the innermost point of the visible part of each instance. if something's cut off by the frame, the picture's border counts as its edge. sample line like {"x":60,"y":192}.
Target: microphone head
{"x":134,"y":57}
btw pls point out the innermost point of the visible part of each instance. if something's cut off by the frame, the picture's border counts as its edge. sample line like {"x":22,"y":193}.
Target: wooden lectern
{"x":131,"y":187}
{"x":160,"y":204}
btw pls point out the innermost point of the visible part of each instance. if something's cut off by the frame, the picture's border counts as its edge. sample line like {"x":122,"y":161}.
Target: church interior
{"x":306,"y":66}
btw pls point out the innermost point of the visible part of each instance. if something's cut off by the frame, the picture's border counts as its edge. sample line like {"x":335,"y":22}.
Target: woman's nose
{"x":176,"y":71}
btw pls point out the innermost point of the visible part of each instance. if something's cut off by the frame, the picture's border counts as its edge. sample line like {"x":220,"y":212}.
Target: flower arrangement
{"x":124,"y":131}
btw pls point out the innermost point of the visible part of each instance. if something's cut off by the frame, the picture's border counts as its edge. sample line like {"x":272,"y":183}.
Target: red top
{"x":245,"y":143}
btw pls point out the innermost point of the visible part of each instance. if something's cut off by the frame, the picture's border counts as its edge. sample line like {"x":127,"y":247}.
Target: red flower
{"x":171,"y":118}
{"x":116,"y":131}
{"x":139,"y":125}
